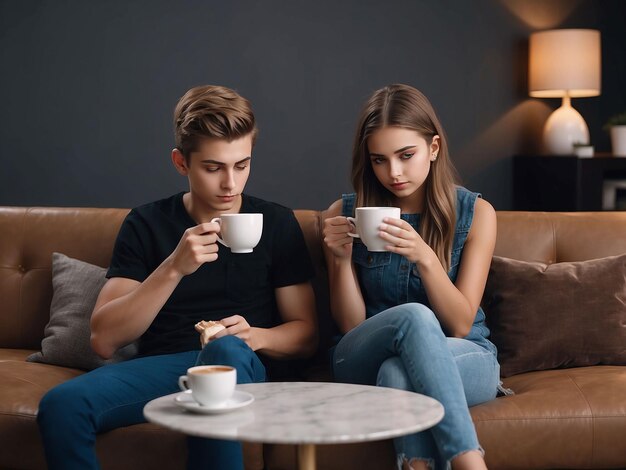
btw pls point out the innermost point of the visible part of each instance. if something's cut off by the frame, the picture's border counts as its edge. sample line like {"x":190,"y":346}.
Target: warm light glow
{"x":564,"y":62}
{"x":541,"y":14}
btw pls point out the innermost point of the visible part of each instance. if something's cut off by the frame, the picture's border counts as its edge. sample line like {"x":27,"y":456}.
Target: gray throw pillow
{"x":75,"y":286}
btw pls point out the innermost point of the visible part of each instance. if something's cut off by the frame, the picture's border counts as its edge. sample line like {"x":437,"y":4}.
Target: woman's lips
{"x":399,"y":185}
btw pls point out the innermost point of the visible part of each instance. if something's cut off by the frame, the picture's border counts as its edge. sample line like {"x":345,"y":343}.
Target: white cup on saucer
{"x":210,"y":385}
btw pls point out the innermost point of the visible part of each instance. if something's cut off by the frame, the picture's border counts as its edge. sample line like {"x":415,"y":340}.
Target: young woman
{"x":410,"y":316}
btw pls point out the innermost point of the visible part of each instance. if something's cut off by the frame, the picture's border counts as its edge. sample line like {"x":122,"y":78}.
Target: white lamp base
{"x":563,"y":129}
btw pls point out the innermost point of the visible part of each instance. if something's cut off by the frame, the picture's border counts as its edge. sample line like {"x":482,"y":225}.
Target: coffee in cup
{"x":240,"y":232}
{"x":210,"y":385}
{"x":367,"y":223}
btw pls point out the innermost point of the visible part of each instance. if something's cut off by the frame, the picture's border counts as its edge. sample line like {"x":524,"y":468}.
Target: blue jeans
{"x":74,"y":412}
{"x":404,"y":347}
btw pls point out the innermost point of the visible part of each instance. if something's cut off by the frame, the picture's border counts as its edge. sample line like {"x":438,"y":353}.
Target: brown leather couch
{"x":570,"y":418}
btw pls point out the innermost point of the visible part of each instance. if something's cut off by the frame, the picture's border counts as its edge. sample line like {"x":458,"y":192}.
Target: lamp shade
{"x":564,"y":62}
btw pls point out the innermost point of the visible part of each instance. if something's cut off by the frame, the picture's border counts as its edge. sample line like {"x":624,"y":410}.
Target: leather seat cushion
{"x":23,"y":386}
{"x":569,"y":418}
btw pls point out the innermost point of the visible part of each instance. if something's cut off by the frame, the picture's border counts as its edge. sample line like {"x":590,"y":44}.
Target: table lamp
{"x":564,"y":63}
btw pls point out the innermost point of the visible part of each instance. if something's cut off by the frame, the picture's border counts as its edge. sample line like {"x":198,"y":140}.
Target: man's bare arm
{"x":126,"y":308}
{"x":297,"y":336}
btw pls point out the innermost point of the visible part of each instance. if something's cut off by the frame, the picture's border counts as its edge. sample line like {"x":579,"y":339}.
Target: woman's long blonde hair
{"x":404,"y":106}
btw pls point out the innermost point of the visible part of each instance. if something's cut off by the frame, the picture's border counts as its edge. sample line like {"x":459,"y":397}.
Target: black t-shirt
{"x":236,"y":283}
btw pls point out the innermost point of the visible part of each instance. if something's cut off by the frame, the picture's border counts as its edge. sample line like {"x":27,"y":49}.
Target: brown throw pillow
{"x":556,"y":316}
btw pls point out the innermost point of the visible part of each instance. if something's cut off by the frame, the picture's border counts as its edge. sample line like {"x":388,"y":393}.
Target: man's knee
{"x":60,"y":403}
{"x":224,"y":350}
{"x":228,"y":344}
{"x":232,"y":351}
{"x":48,"y":405}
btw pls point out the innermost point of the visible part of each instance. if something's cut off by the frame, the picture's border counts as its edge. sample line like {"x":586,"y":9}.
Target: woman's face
{"x":401,"y":160}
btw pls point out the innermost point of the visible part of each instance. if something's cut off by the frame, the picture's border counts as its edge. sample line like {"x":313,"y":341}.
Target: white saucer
{"x":238,"y":400}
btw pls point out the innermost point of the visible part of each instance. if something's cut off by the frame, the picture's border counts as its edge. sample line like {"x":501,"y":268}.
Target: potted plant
{"x":616,"y":125}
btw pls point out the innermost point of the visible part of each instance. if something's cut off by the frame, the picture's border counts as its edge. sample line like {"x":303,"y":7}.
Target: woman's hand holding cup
{"x":336,"y":236}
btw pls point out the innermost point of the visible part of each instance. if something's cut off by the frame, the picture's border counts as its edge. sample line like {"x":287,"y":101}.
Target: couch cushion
{"x":23,"y":386}
{"x":559,"y":315}
{"x":76,"y":286}
{"x":554,"y":237}
{"x":570,"y":418}
{"x":15,"y":354}
{"x":28,"y":237}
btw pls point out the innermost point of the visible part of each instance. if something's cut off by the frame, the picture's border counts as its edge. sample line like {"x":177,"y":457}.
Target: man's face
{"x":218,"y":171}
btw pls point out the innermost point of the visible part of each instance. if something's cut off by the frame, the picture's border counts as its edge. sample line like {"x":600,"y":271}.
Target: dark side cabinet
{"x":566,"y":183}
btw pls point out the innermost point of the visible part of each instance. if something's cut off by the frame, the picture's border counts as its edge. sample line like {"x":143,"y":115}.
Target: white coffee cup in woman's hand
{"x":367,"y":223}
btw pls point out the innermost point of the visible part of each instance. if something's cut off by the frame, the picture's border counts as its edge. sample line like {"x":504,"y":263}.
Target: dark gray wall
{"x":87,"y":88}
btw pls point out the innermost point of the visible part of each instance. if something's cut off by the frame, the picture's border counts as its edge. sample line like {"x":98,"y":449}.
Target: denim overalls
{"x":402,"y":344}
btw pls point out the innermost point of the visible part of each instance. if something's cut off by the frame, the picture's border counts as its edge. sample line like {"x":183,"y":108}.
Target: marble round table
{"x":306,"y":414}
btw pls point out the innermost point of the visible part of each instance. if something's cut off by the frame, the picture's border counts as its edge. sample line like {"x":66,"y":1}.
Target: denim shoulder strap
{"x":347,"y":207}
{"x":465,"y":202}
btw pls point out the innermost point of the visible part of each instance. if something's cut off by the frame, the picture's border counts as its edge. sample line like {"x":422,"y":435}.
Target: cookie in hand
{"x":207,"y":330}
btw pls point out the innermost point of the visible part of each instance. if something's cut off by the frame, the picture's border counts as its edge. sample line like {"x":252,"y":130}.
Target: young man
{"x":168,"y":273}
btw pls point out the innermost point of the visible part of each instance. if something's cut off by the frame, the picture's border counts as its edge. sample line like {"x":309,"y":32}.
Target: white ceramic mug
{"x":367,"y":223}
{"x":240,"y":232}
{"x":210,"y":385}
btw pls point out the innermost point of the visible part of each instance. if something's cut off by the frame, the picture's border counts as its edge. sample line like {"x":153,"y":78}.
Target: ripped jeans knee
{"x":404,"y":463}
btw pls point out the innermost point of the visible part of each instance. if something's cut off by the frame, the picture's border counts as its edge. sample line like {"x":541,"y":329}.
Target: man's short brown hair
{"x":211,"y":111}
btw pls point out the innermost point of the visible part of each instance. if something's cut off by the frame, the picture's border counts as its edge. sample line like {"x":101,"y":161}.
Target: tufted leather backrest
{"x":28,"y":236}
{"x":553,"y":237}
